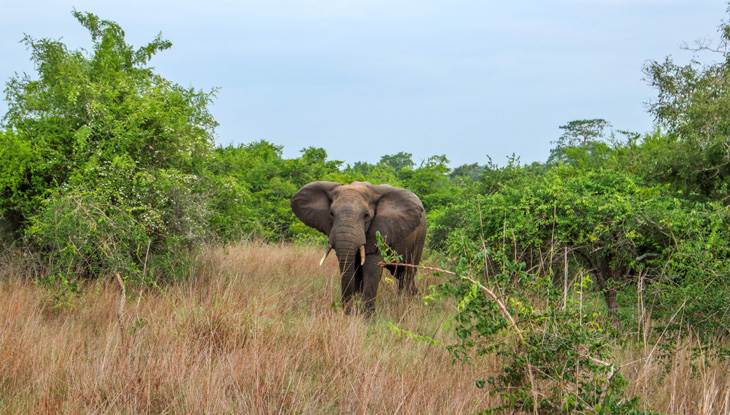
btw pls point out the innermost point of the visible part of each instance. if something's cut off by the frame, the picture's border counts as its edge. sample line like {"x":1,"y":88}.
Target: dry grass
{"x":683,"y":381}
{"x":257,"y":332}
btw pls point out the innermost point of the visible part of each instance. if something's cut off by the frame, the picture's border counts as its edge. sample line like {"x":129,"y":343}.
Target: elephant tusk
{"x":362,"y":255}
{"x":327,"y":252}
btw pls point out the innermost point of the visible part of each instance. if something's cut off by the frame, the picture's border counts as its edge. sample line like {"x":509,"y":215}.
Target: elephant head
{"x":350,"y":215}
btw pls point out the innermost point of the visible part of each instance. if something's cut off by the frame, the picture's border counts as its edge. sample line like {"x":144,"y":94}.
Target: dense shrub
{"x":82,"y":235}
{"x":252,"y":185}
{"x":610,"y":225}
{"x":103,"y":156}
{"x":691,"y":279}
{"x":555,"y":354}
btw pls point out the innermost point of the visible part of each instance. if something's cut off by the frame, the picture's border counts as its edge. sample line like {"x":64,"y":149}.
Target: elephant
{"x":351,"y":215}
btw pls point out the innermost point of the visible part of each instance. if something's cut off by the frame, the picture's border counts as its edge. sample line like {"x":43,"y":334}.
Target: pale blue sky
{"x":362,"y":79}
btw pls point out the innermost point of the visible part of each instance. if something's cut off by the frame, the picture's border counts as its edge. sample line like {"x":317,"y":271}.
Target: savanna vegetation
{"x":144,"y":269}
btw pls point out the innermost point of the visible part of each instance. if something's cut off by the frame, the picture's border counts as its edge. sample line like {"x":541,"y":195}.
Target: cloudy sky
{"x":366,"y":78}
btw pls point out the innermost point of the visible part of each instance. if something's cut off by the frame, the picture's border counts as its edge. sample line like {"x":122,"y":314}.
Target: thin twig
{"x":500,"y":304}
{"x":146,"y":257}
{"x":122,"y":303}
{"x":565,"y":277}
{"x":422,"y":267}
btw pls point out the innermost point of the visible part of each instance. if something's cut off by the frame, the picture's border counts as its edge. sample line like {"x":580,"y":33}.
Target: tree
{"x":104,"y":155}
{"x":582,"y":132}
{"x":399,"y":161}
{"x":585,"y":134}
{"x":693,"y":105}
{"x":468,"y":171}
{"x":86,"y":109}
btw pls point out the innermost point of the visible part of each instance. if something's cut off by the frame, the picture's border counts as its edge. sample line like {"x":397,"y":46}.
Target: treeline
{"x":253,"y":186}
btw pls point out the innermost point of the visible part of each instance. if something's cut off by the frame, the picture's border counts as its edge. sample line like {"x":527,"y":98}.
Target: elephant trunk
{"x":348,"y":240}
{"x":350,"y":256}
{"x":347,"y":260}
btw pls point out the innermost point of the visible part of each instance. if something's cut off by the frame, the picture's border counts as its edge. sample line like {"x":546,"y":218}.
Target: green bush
{"x":691,"y":280}
{"x":611,"y":225}
{"x":138,"y":224}
{"x":104,"y":158}
{"x":81,"y":235}
{"x":252,"y":184}
{"x":555,"y":354}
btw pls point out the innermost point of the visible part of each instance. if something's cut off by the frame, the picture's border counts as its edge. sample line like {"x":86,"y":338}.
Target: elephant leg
{"x":410,"y":281}
{"x":406,"y":280}
{"x":410,"y":272}
{"x":399,"y":274}
{"x":371,"y":279}
{"x":359,"y":279}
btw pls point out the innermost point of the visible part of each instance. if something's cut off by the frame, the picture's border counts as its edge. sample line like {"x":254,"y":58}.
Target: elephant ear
{"x":311,"y":204}
{"x":398,"y":212}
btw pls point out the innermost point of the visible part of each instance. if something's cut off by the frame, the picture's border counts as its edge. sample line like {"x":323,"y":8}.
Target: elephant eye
{"x":332,"y":213}
{"x":366,"y":215}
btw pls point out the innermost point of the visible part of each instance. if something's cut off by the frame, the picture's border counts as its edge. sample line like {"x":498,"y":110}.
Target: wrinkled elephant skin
{"x":351,"y":215}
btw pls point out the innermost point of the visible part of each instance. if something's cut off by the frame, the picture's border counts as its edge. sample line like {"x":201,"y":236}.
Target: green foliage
{"x":104,"y":156}
{"x":386,"y":252}
{"x":691,"y":277}
{"x":692,"y":103}
{"x":398,"y":162}
{"x":252,"y":184}
{"x":612,"y":226}
{"x":431,"y":180}
{"x":83,"y":235}
{"x":583,"y":134}
{"x":555,"y":355}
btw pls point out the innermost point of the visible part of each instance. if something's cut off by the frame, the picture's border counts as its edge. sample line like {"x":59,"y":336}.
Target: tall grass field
{"x":258,"y":329}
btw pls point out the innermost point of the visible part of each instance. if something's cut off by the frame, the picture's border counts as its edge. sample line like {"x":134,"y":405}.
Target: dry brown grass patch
{"x":258,"y":331}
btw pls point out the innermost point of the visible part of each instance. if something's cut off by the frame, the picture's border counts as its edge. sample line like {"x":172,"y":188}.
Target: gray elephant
{"x":350,"y":215}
